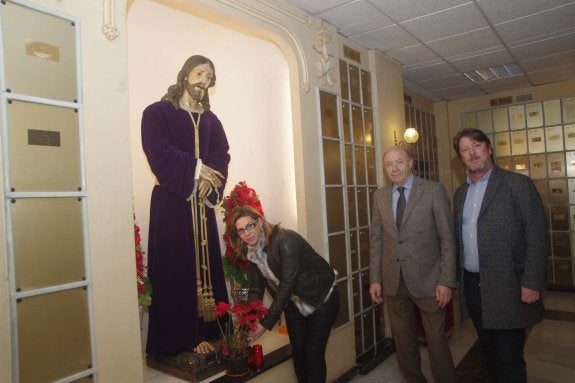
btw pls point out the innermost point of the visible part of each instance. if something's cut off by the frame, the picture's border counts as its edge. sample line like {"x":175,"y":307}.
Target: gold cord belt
{"x":206,"y":301}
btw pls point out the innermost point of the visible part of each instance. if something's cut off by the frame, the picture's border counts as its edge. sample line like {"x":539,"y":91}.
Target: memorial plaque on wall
{"x":518,"y":142}
{"x":484,"y":121}
{"x":558,"y":192}
{"x":555,"y":165}
{"x":500,"y":120}
{"x":563,"y":273}
{"x":538,"y":166}
{"x":561,"y":245}
{"x":554,"y":138}
{"x":47,"y":236}
{"x":39,"y":53}
{"x":571,"y":186}
{"x":517,"y":117}
{"x":469,"y":120}
{"x":559,"y":218}
{"x":520,"y":164}
{"x":536,"y":140}
{"x":570,"y":163}
{"x":502,"y":144}
{"x":504,"y":163}
{"x":541,"y":186}
{"x":552,"y":112}
{"x":569,"y":136}
{"x":44,"y":147}
{"x":569,"y":110}
{"x":534,"y":113}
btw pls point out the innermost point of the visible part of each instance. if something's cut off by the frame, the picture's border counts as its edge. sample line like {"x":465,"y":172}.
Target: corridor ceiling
{"x":438,"y":41}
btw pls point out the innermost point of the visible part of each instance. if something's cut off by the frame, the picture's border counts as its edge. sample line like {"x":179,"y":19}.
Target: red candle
{"x":258,"y":356}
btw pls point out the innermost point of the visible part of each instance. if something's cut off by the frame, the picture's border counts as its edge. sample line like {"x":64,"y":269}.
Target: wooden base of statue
{"x":188,"y":366}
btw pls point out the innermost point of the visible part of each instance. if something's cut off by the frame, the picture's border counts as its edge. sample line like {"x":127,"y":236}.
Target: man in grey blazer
{"x":413,"y":261}
{"x":503,"y":246}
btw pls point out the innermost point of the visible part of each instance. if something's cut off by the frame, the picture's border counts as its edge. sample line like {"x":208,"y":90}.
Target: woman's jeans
{"x":308,"y":337}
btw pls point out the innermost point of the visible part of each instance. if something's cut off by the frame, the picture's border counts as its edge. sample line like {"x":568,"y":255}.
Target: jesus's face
{"x":198,"y":81}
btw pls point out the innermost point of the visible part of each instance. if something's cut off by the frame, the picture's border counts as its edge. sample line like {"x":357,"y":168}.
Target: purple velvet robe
{"x":168,"y":141}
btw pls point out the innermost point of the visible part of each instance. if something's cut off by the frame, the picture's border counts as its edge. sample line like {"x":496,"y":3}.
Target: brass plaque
{"x":42,"y":50}
{"x":559,"y":218}
{"x":563,"y":271}
{"x":558,"y":192}
{"x":520,"y":164}
{"x":502,"y":147}
{"x":39,"y":53}
{"x":556,"y":165}
{"x":536,"y":140}
{"x":538,"y":166}
{"x":534,"y":113}
{"x":53,"y":335}
{"x":554,"y":138}
{"x":43,"y":137}
{"x":44,"y":147}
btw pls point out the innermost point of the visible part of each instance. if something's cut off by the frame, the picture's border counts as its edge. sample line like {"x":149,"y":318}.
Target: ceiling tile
{"x":437,"y":41}
{"x":500,"y":11}
{"x":454,"y":80}
{"x":551,"y":75}
{"x":464,"y":43}
{"x":481,"y":60}
{"x":451,"y":22}
{"x":556,"y":21}
{"x":401,"y":10}
{"x":460,"y":92}
{"x":317,"y":6}
{"x":430,"y":72}
{"x":558,"y":44}
{"x":356,"y":17}
{"x":547,"y":62}
{"x":415,"y":54}
{"x":421,"y":91}
{"x":385,"y":39}
{"x":505,"y":84}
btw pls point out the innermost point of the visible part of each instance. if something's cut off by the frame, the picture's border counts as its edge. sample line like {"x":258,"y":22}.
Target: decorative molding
{"x":109,"y":19}
{"x":279,"y":7}
{"x":324,"y":66}
{"x":251,"y":11}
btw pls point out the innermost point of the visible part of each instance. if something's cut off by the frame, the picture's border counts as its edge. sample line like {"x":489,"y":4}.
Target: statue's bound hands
{"x":212,"y":176}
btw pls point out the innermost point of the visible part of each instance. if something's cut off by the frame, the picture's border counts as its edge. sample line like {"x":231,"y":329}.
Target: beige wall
{"x":388,"y":103}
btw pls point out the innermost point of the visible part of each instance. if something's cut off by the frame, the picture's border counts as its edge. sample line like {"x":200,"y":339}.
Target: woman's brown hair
{"x":239,"y":246}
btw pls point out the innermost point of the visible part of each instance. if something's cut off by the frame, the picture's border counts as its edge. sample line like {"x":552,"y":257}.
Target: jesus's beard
{"x":196,"y":91}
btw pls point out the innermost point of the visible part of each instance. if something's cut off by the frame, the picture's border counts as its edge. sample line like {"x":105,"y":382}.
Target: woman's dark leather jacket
{"x":300,"y":270}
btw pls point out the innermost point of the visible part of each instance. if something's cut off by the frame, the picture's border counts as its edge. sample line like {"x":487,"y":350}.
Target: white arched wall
{"x":251,"y":98}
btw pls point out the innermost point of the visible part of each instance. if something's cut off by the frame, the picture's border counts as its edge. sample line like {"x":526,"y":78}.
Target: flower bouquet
{"x":144,"y":285}
{"x":241,"y":319}
{"x":235,"y":267}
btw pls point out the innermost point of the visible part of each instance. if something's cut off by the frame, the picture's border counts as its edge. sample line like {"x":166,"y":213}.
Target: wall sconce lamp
{"x":410,"y":136}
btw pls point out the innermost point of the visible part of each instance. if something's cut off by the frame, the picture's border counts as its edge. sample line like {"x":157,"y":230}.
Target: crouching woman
{"x":301,"y":282}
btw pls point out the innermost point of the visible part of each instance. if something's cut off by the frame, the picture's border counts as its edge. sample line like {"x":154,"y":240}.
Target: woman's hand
{"x":256,"y":332}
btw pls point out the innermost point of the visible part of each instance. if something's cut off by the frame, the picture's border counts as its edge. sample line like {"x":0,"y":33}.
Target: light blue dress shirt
{"x":471,"y":208}
{"x":395,"y":194}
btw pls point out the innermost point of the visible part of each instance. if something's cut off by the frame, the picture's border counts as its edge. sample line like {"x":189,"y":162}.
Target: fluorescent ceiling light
{"x":494,"y":73}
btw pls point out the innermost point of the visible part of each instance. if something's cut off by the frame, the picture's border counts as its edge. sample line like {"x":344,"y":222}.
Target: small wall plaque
{"x":43,"y":137}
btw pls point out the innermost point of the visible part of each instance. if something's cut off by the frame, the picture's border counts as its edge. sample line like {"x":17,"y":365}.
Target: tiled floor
{"x":550,"y":349}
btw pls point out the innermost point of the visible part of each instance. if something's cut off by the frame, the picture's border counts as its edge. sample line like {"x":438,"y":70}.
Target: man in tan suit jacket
{"x":414,"y":262}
